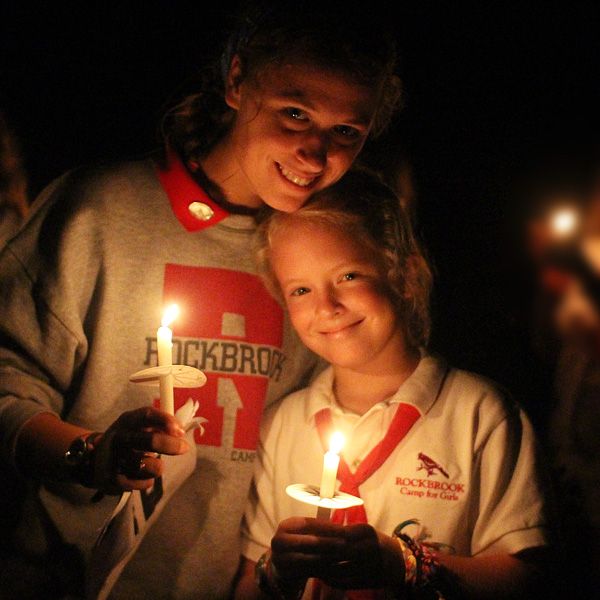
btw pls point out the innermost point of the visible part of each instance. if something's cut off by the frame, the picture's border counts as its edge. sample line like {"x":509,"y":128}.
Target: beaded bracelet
{"x":420,"y":561}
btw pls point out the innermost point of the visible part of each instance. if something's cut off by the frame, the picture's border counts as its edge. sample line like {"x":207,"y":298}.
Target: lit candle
{"x":330,"y":466}
{"x":165,"y":359}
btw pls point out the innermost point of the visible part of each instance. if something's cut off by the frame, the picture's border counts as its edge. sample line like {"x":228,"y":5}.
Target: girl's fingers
{"x":149,"y":417}
{"x":306,"y":525}
{"x":127,"y":454}
{"x":126,"y":440}
{"x":140,"y":465}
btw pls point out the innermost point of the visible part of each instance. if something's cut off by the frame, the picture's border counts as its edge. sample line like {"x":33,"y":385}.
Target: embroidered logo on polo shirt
{"x":424,"y":487}
{"x":430,"y":466}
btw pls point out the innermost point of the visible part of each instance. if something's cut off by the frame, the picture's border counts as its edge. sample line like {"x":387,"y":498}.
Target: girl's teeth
{"x":301,"y":181}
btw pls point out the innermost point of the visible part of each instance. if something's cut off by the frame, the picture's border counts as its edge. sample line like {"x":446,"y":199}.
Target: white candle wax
{"x":331,"y":462}
{"x":330,"y":467}
{"x":164,"y":338}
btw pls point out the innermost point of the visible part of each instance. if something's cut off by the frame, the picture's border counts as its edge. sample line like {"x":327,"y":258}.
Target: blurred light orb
{"x":564,"y":221}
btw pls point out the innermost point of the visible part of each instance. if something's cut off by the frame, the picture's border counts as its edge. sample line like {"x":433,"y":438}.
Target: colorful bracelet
{"x":420,"y":561}
{"x":410,"y":562}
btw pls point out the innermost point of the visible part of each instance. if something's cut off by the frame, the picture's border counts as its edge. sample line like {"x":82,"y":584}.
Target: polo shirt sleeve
{"x":512,"y":508}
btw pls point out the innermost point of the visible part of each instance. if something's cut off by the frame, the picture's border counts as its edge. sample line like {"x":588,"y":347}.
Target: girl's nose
{"x":312,"y":150}
{"x":329,"y":303}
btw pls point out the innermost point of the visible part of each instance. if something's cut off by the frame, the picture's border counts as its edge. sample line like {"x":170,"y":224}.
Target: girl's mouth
{"x":295,"y":178}
{"x":340,"y":329}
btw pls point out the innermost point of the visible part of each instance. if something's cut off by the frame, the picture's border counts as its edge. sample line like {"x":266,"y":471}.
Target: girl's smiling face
{"x":335,"y":293}
{"x":296,"y":131}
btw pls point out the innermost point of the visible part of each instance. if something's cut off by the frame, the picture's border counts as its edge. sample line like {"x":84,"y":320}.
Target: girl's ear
{"x":232,"y":86}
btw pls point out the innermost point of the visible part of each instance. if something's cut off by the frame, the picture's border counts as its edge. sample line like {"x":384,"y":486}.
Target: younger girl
{"x":444,"y":462}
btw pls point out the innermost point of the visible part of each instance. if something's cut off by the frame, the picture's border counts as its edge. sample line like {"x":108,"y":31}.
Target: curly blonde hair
{"x":362,"y":206}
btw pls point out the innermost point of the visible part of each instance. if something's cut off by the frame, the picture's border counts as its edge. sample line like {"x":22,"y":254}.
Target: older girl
{"x":84,"y":285}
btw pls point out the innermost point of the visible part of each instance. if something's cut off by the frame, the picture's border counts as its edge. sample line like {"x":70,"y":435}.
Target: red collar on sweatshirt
{"x":187,"y":197}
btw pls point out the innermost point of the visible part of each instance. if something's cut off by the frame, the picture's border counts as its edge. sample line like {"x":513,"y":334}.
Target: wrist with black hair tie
{"x":79,"y":459}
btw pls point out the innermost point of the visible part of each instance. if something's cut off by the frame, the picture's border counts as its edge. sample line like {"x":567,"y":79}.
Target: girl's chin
{"x":286,"y":204}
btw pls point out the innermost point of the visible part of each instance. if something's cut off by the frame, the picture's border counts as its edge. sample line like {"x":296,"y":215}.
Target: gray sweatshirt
{"x":83,"y":289}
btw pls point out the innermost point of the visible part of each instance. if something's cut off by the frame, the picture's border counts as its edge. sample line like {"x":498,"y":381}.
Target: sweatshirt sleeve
{"x":48,"y":274}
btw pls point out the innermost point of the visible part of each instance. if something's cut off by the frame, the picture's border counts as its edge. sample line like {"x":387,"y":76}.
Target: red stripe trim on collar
{"x":182,"y":191}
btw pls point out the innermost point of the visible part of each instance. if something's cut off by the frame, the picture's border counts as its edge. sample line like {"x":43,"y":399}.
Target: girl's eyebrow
{"x":296,"y":94}
{"x":290,"y":281}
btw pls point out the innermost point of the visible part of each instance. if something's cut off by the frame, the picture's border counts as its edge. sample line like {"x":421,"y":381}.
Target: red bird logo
{"x":430,"y":465}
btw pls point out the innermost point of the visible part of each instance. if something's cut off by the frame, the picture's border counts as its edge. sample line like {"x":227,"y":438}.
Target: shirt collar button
{"x":201,"y":211}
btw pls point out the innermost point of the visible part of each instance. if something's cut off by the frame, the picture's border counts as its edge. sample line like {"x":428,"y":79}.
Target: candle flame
{"x":564,"y":221}
{"x":336,"y":443}
{"x":169,"y":315}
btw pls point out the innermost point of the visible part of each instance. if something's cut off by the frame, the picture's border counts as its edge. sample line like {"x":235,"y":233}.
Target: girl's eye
{"x":349,"y":276}
{"x":300,"y":291}
{"x":296,"y":113}
{"x":346,"y":131}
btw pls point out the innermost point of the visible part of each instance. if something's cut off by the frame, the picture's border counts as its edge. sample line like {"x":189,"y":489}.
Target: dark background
{"x":488,"y":86}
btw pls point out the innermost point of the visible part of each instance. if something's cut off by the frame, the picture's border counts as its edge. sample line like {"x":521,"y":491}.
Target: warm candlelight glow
{"x":336,"y":443}
{"x":169,"y":315}
{"x":564,"y":222}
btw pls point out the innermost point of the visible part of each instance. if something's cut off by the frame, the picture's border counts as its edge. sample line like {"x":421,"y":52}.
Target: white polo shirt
{"x":466,"y":469}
